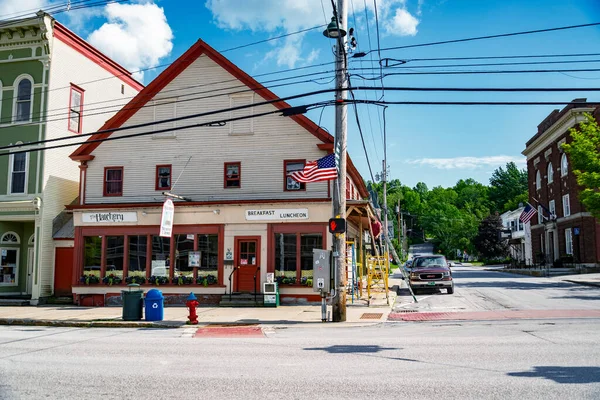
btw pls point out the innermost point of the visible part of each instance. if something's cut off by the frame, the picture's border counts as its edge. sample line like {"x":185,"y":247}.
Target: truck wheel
{"x":450,"y":290}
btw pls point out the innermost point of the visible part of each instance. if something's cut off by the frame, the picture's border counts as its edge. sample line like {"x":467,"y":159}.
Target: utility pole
{"x":336,"y":29}
{"x":385,"y":216}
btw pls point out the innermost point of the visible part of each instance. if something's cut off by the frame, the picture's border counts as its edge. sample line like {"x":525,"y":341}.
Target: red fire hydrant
{"x":192,"y":303}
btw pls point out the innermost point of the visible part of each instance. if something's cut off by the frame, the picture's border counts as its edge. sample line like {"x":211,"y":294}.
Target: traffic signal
{"x":337,"y":225}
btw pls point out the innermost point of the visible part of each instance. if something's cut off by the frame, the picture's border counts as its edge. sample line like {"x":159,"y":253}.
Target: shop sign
{"x":109,"y":217}
{"x":166,"y":222}
{"x":277,"y":214}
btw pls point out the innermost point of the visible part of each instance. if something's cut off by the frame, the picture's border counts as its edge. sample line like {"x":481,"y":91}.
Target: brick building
{"x":562,"y":227}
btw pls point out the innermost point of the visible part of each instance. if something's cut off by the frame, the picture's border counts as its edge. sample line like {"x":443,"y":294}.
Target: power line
{"x":362,"y":138}
{"x":293,"y":110}
{"x":479,"y":38}
{"x":535,"y":71}
{"x":478,"y":103}
{"x":403,"y":61}
{"x":273,"y":38}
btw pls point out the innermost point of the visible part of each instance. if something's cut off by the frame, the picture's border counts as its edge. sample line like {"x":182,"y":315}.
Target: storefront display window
{"x":183,"y":245}
{"x":8,"y":267}
{"x":92,"y":259}
{"x":294,"y":256}
{"x":161,"y":252}
{"x":138,"y":246}
{"x":285,"y":257}
{"x":208,"y":246}
{"x":115,"y":253}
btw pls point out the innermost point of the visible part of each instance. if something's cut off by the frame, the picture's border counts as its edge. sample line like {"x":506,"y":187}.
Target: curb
{"x":87,"y":324}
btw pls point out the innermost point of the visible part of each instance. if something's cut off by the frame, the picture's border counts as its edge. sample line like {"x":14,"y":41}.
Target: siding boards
{"x":261,"y":154}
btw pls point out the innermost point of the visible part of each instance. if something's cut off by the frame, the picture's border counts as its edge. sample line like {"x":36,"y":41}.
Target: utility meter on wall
{"x":321,"y":270}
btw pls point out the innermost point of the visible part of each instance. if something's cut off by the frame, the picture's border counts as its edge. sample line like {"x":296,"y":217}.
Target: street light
{"x":333,"y":30}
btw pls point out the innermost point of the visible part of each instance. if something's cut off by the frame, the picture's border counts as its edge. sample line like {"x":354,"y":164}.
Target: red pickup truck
{"x":431,"y":272}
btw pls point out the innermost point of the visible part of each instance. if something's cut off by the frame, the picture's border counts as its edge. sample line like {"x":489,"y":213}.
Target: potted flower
{"x":112,"y":279}
{"x":158,"y":280}
{"x":182,"y":280}
{"x":306,"y":280}
{"x":89,"y":279}
{"x":140,"y":280}
{"x":206,"y":280}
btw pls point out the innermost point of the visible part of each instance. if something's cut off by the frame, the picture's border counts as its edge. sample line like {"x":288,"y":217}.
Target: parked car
{"x":408,"y":264}
{"x":431,"y":272}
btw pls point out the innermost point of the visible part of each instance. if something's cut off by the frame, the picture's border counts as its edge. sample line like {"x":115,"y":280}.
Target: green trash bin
{"x":132,"y":303}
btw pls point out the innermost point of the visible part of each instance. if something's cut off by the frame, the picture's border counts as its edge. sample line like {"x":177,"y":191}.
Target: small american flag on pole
{"x":314,"y":171}
{"x":528,"y":213}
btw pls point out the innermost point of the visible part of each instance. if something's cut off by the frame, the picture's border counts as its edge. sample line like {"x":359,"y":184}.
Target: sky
{"x":434,"y":144}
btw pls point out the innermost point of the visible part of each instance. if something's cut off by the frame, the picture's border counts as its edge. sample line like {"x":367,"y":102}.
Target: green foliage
{"x":584,"y":159}
{"x":488,"y":242}
{"x":506,"y":185}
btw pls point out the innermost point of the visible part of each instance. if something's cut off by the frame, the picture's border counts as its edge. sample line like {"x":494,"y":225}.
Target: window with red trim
{"x":113,"y":181}
{"x":75,"y":109}
{"x":232,"y":175}
{"x":163,"y":177}
{"x":289,"y":183}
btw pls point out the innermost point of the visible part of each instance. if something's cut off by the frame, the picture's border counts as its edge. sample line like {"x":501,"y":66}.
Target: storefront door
{"x":247,"y":258}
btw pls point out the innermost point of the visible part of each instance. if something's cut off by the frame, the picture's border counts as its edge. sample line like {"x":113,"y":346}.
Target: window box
{"x":89,"y":279}
{"x":112,"y":279}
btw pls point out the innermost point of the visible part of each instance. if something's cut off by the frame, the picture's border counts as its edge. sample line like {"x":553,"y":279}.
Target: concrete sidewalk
{"x":357,"y":314}
{"x":580,"y":279}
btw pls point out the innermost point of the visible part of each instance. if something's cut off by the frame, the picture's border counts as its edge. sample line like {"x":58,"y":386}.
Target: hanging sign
{"x":166,"y":222}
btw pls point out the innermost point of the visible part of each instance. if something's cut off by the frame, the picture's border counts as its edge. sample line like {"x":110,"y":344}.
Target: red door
{"x":247,"y":260}
{"x":63,"y":271}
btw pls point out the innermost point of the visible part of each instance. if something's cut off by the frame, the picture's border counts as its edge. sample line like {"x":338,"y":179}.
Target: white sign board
{"x":109,"y":217}
{"x":166,"y":222}
{"x":277,"y":214}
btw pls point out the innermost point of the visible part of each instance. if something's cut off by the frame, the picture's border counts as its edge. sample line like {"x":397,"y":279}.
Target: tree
{"x":584,"y":157}
{"x":506,"y":185}
{"x":488,"y":242}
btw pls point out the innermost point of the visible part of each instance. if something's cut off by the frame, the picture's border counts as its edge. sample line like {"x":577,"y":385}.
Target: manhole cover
{"x":371,"y":316}
{"x":406,"y":311}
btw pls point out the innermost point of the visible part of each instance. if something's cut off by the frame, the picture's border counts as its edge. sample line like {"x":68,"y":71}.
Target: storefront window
{"x":115,"y":246}
{"x":183,"y":245}
{"x":8,"y":267}
{"x":285,"y":257}
{"x":161,"y":252}
{"x":208,"y":246}
{"x":92,"y":258}
{"x":137,"y":255}
{"x":293,"y":263}
{"x":308,"y":242}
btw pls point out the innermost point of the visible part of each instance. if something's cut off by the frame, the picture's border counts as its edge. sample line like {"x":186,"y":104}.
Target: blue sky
{"x":437,"y":145}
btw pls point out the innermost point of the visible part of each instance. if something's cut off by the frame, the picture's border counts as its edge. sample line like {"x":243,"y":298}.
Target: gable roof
{"x":84,"y":152}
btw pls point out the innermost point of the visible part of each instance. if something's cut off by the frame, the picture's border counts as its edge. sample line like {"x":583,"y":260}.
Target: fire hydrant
{"x":191,"y":304}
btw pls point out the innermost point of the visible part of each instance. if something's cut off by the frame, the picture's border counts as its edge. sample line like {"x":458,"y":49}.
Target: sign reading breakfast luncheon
{"x":277,"y":214}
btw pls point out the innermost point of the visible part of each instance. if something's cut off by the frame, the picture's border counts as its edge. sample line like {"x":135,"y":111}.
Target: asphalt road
{"x":498,"y":360}
{"x":477,"y":289}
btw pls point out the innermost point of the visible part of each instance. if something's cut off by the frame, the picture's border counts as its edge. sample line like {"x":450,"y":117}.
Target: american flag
{"x":314,"y":171}
{"x":527,"y":214}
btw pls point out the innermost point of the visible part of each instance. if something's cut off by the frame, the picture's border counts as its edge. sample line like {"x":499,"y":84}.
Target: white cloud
{"x":18,"y":8}
{"x":136,"y":35}
{"x":468,"y":162}
{"x":403,"y":24}
{"x":276,"y":16}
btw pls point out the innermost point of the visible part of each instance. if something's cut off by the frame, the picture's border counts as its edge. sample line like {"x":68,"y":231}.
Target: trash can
{"x":154,"y":305}
{"x":132,"y":302}
{"x":271,"y":294}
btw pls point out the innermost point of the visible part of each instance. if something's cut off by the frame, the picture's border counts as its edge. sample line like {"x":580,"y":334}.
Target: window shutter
{"x":165,"y":109}
{"x":243,"y":126}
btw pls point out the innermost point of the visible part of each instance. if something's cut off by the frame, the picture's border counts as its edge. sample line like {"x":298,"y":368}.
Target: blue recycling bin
{"x":155,"y":307}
